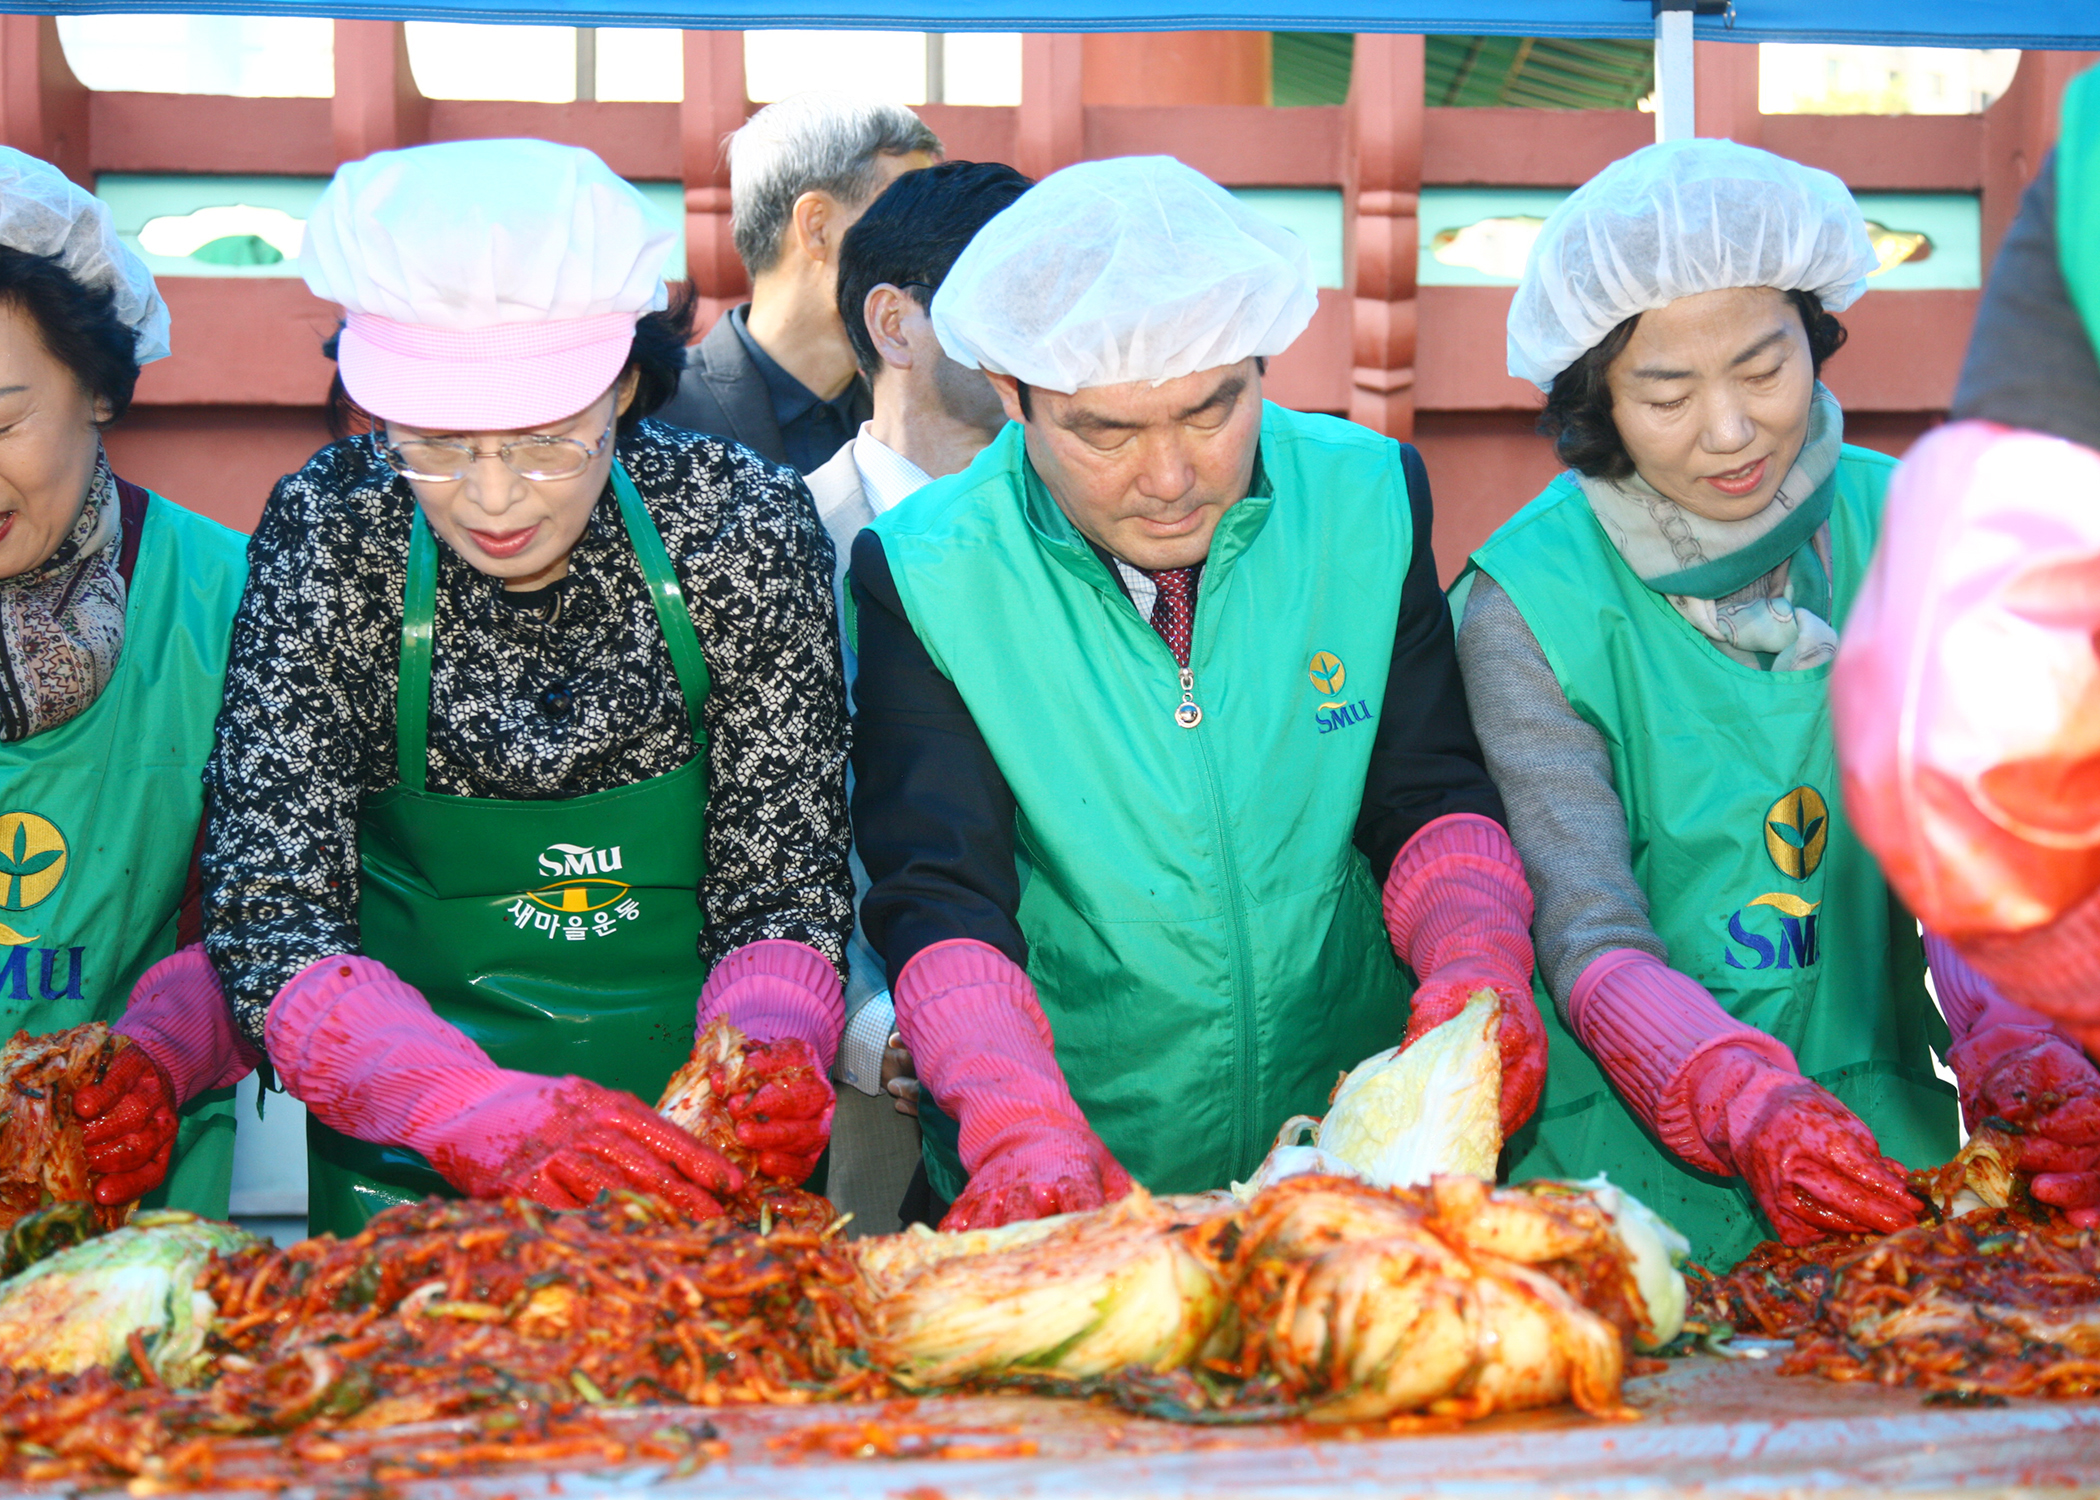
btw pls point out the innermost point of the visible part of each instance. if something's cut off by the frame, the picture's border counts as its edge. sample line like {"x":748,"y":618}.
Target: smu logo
{"x":34,"y":858}
{"x":1753,"y":944}
{"x":1328,"y":677}
{"x":576,"y":859}
{"x":581,"y":899}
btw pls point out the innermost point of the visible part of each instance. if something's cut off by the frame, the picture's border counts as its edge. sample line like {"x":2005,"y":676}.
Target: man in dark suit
{"x":777,"y":373}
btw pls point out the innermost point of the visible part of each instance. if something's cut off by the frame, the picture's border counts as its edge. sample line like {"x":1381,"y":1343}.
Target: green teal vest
{"x":2078,"y":198}
{"x":98,"y":819}
{"x":1756,"y":883}
{"x":1204,"y":936}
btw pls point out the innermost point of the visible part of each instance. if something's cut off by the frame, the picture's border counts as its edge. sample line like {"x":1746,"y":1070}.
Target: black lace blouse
{"x":526,"y":706}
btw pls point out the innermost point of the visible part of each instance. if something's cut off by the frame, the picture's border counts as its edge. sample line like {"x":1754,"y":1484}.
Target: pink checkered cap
{"x":501,"y":378}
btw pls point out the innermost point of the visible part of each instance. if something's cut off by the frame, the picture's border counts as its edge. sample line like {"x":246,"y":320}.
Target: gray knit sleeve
{"x":2031,"y":363}
{"x":1554,"y":773}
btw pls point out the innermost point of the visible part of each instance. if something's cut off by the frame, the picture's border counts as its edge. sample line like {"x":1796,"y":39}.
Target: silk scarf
{"x":62,"y":622}
{"x":1758,"y":588}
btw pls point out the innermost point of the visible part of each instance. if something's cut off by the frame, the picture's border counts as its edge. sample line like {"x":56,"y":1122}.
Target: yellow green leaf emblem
{"x":1797,"y":829}
{"x":32,"y":860}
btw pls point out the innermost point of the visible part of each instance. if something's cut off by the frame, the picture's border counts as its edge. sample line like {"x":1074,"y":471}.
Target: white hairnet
{"x":42,"y":212}
{"x":1138,"y":268}
{"x":1673,"y":220}
{"x":478,"y":234}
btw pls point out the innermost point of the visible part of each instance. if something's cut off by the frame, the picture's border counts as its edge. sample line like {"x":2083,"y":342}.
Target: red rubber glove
{"x":788,"y":996}
{"x":130,"y":1127}
{"x":585,"y":1140}
{"x":1813,"y":1166}
{"x":370,"y":1058}
{"x":787,"y":1121}
{"x":1730,"y":1100}
{"x":183,"y":1042}
{"x":983,"y":1047}
{"x":1458,"y":909}
{"x":2014,"y":1065}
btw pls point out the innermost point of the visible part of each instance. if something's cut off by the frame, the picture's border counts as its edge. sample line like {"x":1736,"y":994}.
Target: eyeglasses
{"x":441,"y":460}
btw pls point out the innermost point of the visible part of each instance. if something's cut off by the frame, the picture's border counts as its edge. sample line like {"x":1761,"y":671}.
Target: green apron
{"x":560,"y":935}
{"x":98,"y":820}
{"x":1756,"y":883}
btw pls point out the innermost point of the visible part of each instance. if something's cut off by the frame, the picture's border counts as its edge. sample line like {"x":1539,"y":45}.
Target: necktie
{"x":1174,"y":609}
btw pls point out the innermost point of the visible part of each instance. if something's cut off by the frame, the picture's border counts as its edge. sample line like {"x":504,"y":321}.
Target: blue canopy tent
{"x":2063,"y":24}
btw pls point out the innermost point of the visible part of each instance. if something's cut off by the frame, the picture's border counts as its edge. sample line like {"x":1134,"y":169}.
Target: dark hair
{"x":657,"y":356}
{"x":911,"y":235}
{"x":1578,"y":408}
{"x":1261,"y":367}
{"x":78,"y":324}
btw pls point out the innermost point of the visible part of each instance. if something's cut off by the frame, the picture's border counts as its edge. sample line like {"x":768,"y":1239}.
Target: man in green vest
{"x":1152,"y":698}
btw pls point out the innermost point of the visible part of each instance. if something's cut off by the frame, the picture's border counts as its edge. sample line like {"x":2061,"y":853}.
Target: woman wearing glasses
{"x":534,"y":729}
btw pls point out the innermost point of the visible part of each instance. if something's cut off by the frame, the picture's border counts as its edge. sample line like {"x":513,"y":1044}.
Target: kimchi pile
{"x":451,"y":1309}
{"x":1997,"y":1302}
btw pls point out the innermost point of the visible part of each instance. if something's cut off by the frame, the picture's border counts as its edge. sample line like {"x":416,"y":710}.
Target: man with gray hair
{"x":777,"y":373}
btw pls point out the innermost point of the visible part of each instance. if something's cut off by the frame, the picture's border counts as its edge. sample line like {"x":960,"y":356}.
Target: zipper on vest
{"x":1189,"y":715}
{"x":1247,"y":1128}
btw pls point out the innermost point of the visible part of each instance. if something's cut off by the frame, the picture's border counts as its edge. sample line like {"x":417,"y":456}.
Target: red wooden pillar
{"x":43,"y":107}
{"x":2018,"y":130}
{"x":377,"y":106}
{"x":714,"y":107}
{"x":1385,"y":103}
{"x":1176,"y":67}
{"x":1725,"y":106}
{"x":1051,"y":132}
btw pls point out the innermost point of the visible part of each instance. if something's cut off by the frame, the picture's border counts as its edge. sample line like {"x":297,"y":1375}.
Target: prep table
{"x":1709,"y":1425}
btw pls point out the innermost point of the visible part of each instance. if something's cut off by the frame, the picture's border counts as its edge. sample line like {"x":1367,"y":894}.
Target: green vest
{"x":1204,"y":937}
{"x":98,"y":819}
{"x":2078,"y":198}
{"x":1756,"y":883}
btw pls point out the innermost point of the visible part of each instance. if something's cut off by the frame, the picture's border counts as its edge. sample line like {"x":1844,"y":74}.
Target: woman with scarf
{"x":115,"y":607}
{"x":1741,"y":1035}
{"x":533,"y":752}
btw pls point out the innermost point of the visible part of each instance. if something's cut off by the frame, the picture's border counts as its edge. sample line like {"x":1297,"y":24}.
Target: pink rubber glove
{"x":1966,"y":707}
{"x":788,"y":996}
{"x":1729,"y":1099}
{"x":372,"y":1060}
{"x":2053,"y":970}
{"x":1458,"y":909}
{"x":2015,"y":1065}
{"x":183,"y":1043}
{"x":972,"y":1021}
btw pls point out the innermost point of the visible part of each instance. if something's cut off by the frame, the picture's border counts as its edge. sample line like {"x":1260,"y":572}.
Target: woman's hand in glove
{"x":183,"y":1042}
{"x":366,"y":1054}
{"x":780,"y":1107}
{"x":786,"y":997}
{"x":1813,"y":1166}
{"x":587,"y":1140}
{"x":129,"y":1127}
